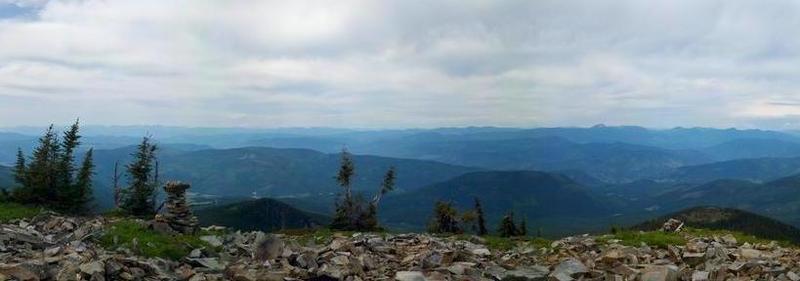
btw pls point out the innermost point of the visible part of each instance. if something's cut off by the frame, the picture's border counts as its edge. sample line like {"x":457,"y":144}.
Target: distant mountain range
{"x":728,"y":219}
{"x":6,"y":177}
{"x":757,"y":169}
{"x":262,"y":214}
{"x":548,"y":201}
{"x":560,"y":179}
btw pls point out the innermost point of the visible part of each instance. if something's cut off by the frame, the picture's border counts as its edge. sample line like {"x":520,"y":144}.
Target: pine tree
{"x":523,"y":228}
{"x":40,"y":178}
{"x":81,"y":194}
{"x":445,"y":219}
{"x":20,"y":169}
{"x":353,"y":212}
{"x":138,"y":197}
{"x":49,"y":179}
{"x":345,"y":207}
{"x":507,"y":227}
{"x":66,"y":166}
{"x":115,"y":182}
{"x":481,"y":221}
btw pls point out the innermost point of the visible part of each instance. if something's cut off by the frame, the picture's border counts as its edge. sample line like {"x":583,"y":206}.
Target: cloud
{"x":400,"y":63}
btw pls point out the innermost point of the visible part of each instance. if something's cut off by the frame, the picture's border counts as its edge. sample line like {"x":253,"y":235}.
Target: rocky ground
{"x":51,"y":247}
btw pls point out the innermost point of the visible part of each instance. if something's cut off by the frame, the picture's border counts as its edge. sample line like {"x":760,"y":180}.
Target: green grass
{"x":12,"y":211}
{"x":150,"y":242}
{"x":651,"y":238}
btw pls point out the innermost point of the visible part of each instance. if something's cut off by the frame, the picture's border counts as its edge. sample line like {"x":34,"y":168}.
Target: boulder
{"x":409,"y":276}
{"x":660,"y":273}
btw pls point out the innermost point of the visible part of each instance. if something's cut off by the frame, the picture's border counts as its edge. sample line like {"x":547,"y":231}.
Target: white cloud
{"x":401,"y":63}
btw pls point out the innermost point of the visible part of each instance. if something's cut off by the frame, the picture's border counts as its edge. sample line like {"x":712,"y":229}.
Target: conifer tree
{"x":40,"y":182}
{"x":445,"y":219}
{"x":507,"y":227}
{"x":481,"y":221}
{"x":49,"y":178}
{"x":66,"y":167}
{"x":523,"y":228}
{"x":81,"y":194}
{"x":138,"y":197}
{"x":353,"y":212}
{"x":345,"y":207}
{"x":20,"y":170}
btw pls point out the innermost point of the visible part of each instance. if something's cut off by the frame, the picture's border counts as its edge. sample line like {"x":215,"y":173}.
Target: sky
{"x":401,"y":64}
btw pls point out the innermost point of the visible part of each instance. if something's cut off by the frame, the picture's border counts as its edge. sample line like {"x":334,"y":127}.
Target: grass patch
{"x":651,"y":238}
{"x":149,"y":242}
{"x":12,"y":211}
{"x":499,"y":243}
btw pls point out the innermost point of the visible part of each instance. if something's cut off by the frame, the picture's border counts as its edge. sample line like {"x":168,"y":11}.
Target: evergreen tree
{"x":353,"y":212}
{"x":523,"y":228}
{"x":507,"y":227}
{"x":481,"y":221}
{"x":40,"y":183}
{"x":49,"y":179}
{"x":445,"y":219}
{"x":345,"y":207}
{"x":20,"y":170}
{"x":138,"y":197}
{"x":66,"y":166}
{"x":81,"y":194}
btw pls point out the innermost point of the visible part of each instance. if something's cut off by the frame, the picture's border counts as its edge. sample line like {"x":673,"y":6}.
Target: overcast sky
{"x":372,"y":64}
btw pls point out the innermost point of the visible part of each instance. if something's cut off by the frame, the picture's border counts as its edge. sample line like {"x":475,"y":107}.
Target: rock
{"x":750,"y":254}
{"x":532,"y":273}
{"x":212,"y":240}
{"x":793,"y":276}
{"x":409,"y":276}
{"x":625,"y":270}
{"x":700,"y":276}
{"x":210,"y":263}
{"x":268,"y":247}
{"x":729,"y":239}
{"x":92,"y":268}
{"x":660,"y":273}
{"x":481,"y":252}
{"x":18,"y":272}
{"x":569,"y":267}
{"x":178,"y":217}
{"x":693,"y":259}
{"x":672,"y":225}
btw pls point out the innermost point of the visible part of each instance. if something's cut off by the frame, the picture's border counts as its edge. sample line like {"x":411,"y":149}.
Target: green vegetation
{"x":651,"y":238}
{"x":139,"y":198}
{"x":12,"y":211}
{"x":50,"y":177}
{"x":352,"y":211}
{"x":135,"y":236}
{"x":736,"y":221}
{"x":508,"y":228}
{"x":445,"y":219}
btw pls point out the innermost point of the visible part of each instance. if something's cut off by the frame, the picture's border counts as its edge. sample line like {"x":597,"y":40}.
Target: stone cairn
{"x":672,"y":225}
{"x":177,"y":218}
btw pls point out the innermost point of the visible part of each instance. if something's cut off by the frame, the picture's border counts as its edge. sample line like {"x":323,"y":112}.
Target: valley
{"x":562,"y":180}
